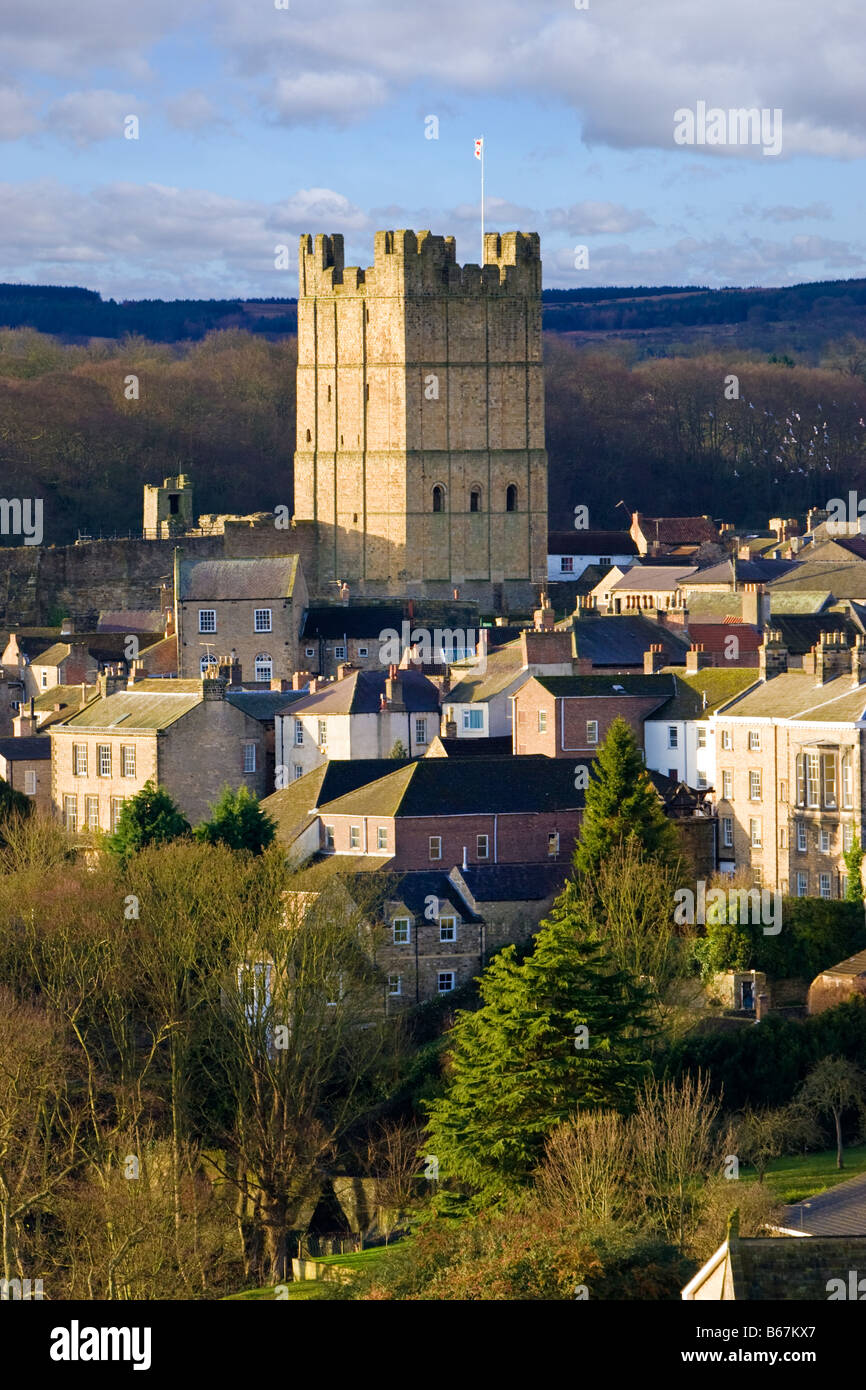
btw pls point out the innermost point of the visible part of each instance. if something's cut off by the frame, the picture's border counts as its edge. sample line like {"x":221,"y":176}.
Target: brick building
{"x":253,"y":608}
{"x":569,"y":716}
{"x":184,"y":735}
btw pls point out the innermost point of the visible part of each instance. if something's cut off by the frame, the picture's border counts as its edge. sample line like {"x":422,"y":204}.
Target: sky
{"x":260,"y":120}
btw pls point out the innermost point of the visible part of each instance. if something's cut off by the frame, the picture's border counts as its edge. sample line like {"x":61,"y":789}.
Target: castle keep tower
{"x":420,"y":407}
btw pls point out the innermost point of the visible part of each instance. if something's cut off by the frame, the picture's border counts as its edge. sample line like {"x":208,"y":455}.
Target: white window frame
{"x":88,"y":807}
{"x":542,"y":721}
{"x":802,"y":884}
{"x":381,"y":837}
{"x":754,"y":740}
{"x":756,"y":834}
{"x":340,"y":653}
{"x":262,"y":620}
{"x":825,"y":882}
{"x":727,"y":784}
{"x":299,"y":770}
{"x":70,"y":812}
{"x":443,"y":976}
{"x":402,"y":928}
{"x":728,"y":832}
{"x":435,"y":846}
{"x":263,"y":662}
{"x":447,"y":928}
{"x":322,"y":732}
{"x":29,"y":781}
{"x":591,"y":732}
{"x":755,"y":784}
{"x":701,"y":736}
{"x":482,"y":846}
{"x":802,"y":839}
{"x":249,"y":757}
{"x":299,"y":732}
{"x":79,"y":765}
{"x":727,"y":739}
{"x":206,"y":617}
{"x":101,"y":750}
{"x":363,"y":651}
{"x":673,"y":736}
{"x":330,"y":837}
{"x":394,"y":986}
{"x":127,"y":766}
{"x":473,"y":719}
{"x":824,"y":841}
{"x":566,"y":564}
{"x":354,"y":837}
{"x":420,"y":729}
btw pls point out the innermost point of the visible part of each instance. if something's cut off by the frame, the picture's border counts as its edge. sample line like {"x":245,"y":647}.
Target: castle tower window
{"x":475,"y":500}
{"x":438,"y":498}
{"x":264,"y":667}
{"x":329,"y":393}
{"x":511,"y":498}
{"x":174,"y":503}
{"x":309,"y":436}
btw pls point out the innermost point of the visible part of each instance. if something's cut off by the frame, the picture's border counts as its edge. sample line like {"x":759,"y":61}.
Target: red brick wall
{"x":520,"y":838}
{"x":531,"y":698}
{"x":633,"y":709}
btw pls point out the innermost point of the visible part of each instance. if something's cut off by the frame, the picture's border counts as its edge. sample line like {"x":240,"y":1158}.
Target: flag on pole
{"x":479,"y":146}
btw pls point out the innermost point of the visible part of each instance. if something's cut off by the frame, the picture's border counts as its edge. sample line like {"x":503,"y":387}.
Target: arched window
{"x":511,"y":498}
{"x":207,"y":661}
{"x":264,"y":667}
{"x":438,"y":498}
{"x":475,"y":500}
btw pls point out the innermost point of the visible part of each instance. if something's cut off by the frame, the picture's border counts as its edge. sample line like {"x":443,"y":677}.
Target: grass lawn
{"x":361,"y":1259}
{"x":297,"y":1292}
{"x":804,"y":1175}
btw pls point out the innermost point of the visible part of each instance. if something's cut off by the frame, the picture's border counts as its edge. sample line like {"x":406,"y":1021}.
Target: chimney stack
{"x":696,"y":657}
{"x":654,"y":659}
{"x":773,"y":655}
{"x":300,"y":679}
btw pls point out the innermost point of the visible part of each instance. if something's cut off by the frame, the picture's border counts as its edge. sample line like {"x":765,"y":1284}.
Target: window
{"x":672,"y":774}
{"x":127,"y":760}
{"x":340,"y":653}
{"x":79,"y":759}
{"x":103,"y":759}
{"x":91,"y":812}
{"x":553,"y":844}
{"x":299,"y":733}
{"x":783,"y":837}
{"x":329,"y":837}
{"x":847,"y":837}
{"x":475,"y":500}
{"x":783,"y":791}
{"x":847,"y":781}
{"x":727,"y":741}
{"x":420,"y":730}
{"x":824,"y":885}
{"x":754,"y":740}
{"x":435,"y":846}
{"x":755,"y":834}
{"x":727,"y":785}
{"x":70,"y":812}
{"x":354,"y":837}
{"x":438,"y":498}
{"x":754,"y":785}
{"x":473,"y":719}
{"x":363,"y":651}
{"x":824,"y":841}
{"x":566,"y":564}
{"x":702,"y":781}
{"x":394,"y":984}
{"x":482,"y":846}
{"x":29,"y":782}
{"x":402,"y":931}
{"x":382,"y":837}
{"x":812,"y":779}
{"x":262,"y":620}
{"x":207,"y":620}
{"x":801,"y":779}
{"x":447,"y":928}
{"x":591,"y":731}
{"x":802,"y":885}
{"x":843,"y":885}
{"x":309,"y":651}
{"x":757,"y":874}
{"x":727,"y":831}
{"x":511,"y":498}
{"x":445,"y":981}
{"x":323,"y":733}
{"x":542,"y":721}
{"x":801,"y":836}
{"x":264,"y":667}
{"x":117,"y":805}
{"x":828,"y":771}
{"x":702,"y":735}
{"x":249,"y":757}
{"x":299,"y":771}
{"x":672,"y":736}
{"x":205,"y":663}
{"x":605,"y":560}
{"x":44,"y":680}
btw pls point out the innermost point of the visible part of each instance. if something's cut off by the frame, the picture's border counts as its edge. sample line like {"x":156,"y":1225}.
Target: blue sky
{"x":257,"y":124}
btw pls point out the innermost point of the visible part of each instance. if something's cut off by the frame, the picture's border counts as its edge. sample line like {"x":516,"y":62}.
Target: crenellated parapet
{"x":411,"y":263}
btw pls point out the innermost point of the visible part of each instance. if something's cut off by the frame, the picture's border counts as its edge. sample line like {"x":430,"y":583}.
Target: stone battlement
{"x":418,"y":263}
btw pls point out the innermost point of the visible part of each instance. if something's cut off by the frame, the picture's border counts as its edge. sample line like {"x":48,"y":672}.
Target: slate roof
{"x":719,"y":683}
{"x":799,"y":601}
{"x":475,"y":786}
{"x":714,"y":636}
{"x":841,"y":579}
{"x":263,"y":705}
{"x":786,"y":1267}
{"x":621,"y":639}
{"x":514,"y":882}
{"x":642,"y":578}
{"x":748,"y":572}
{"x":361,"y":692}
{"x":472,"y":747}
{"x":661,"y":686}
{"x":68,"y":697}
{"x":130,"y":620}
{"x":840,"y":1211}
{"x":358,"y":620}
{"x":800,"y":631}
{"x":855,"y":545}
{"x":26,"y":749}
{"x":709,"y":606}
{"x":150,"y":705}
{"x":221,"y":580}
{"x":503,"y":665}
{"x":794,"y":695}
{"x":101,"y":646}
{"x":578,"y":542}
{"x":291,"y":805}
{"x":850,"y":968}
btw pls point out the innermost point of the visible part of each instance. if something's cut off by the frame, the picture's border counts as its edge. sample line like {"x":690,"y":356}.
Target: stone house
{"x":480,"y":704}
{"x":363,"y":714}
{"x":790,"y":768}
{"x":678,"y":738}
{"x":569,"y":553}
{"x":25,"y":763}
{"x":184,"y":735}
{"x":811,"y":1268}
{"x":251,"y":608}
{"x":838,"y":983}
{"x":363,"y":634}
{"x":679,"y":536}
{"x":643,"y":587}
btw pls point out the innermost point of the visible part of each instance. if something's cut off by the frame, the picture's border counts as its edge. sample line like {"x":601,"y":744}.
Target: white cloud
{"x":82,"y":118}
{"x":17,"y":113}
{"x":193,"y":110}
{"x":340,"y":97}
{"x":588,"y":218}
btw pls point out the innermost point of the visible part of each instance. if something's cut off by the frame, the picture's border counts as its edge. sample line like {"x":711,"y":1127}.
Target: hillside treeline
{"x":660,"y":434}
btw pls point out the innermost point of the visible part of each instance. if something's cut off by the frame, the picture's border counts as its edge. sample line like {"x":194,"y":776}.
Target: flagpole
{"x":482,"y":200}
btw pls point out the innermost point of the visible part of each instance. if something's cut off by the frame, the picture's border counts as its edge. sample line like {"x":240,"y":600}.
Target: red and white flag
{"x":479,"y":146}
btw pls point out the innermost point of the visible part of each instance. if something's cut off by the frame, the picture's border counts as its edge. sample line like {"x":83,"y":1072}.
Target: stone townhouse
{"x":790,"y":768}
{"x":679,"y":738}
{"x":184,"y":735}
{"x":437,"y":812}
{"x":251,"y":608}
{"x":480,"y":704}
{"x":25,"y":763}
{"x":363,"y":714}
